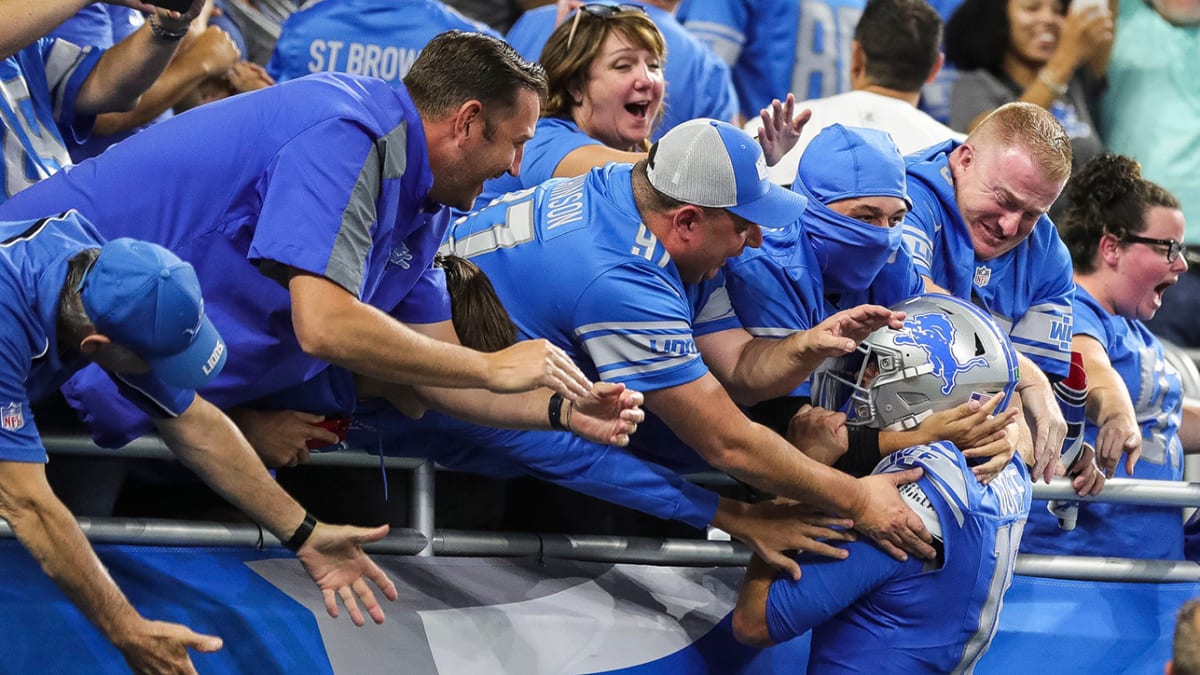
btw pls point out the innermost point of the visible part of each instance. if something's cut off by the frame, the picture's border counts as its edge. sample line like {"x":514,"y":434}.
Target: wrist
{"x":166,"y":30}
{"x":302,"y":533}
{"x":554,"y":413}
{"x":1052,"y":82}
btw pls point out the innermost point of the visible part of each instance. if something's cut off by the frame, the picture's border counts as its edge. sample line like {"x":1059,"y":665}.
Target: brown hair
{"x":456,"y":67}
{"x":567,"y":67}
{"x":1107,"y":196}
{"x":479,"y":317}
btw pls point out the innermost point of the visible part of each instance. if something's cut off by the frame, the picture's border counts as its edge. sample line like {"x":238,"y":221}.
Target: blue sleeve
{"x":73,"y":65}
{"x":427,"y":302}
{"x":1044,"y":332}
{"x":110,"y":418}
{"x":19,"y":439}
{"x":919,"y":230}
{"x":715,"y":312}
{"x":771,"y":300}
{"x":316,"y":216}
{"x":828,"y":586}
{"x":546,"y":150}
{"x":637,"y":332}
{"x":91,"y":25}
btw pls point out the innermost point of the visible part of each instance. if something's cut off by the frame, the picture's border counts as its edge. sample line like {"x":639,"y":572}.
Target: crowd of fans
{"x":416,"y":235}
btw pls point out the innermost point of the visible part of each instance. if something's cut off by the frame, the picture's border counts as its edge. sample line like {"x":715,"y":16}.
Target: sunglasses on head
{"x":604,"y":11}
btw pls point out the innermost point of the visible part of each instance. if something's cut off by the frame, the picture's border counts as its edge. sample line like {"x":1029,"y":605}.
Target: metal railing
{"x":421,"y":538}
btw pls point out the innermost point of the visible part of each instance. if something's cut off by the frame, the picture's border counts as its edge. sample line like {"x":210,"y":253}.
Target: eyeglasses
{"x":1174,"y":248}
{"x":600,"y":10}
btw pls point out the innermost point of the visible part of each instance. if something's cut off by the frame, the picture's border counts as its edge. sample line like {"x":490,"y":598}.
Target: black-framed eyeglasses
{"x":1174,"y":248}
{"x":602,"y":10}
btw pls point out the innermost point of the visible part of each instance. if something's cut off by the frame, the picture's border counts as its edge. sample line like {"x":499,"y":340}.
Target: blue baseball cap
{"x":848,"y":162}
{"x":711,"y":163}
{"x":144,"y":298}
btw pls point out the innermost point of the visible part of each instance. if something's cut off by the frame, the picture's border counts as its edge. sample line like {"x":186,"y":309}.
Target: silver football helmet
{"x":948,"y":352}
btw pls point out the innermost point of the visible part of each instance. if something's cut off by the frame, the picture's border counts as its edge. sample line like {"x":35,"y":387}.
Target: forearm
{"x":50,"y":533}
{"x":179,"y":78}
{"x":208,"y":443}
{"x":769,"y":368}
{"x":1189,"y":427}
{"x":25,"y":21}
{"x":527,"y":410}
{"x":333,"y":326}
{"x":127,"y":70}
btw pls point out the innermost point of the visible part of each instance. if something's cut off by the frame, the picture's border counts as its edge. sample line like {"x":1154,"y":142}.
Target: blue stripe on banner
{"x":209,"y":590}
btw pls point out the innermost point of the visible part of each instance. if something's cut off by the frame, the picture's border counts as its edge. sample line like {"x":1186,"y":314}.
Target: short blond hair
{"x":1031,"y":127}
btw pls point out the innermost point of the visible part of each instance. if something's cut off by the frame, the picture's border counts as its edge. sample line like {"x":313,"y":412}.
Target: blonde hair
{"x":1032,"y":127}
{"x":567,"y":66}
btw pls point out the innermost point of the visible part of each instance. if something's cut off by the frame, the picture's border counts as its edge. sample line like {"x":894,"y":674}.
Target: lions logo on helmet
{"x":948,"y":352}
{"x":933,"y":332}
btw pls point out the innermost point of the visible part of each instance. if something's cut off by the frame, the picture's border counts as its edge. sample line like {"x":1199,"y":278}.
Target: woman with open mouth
{"x":604,"y":66}
{"x":1124,"y":233}
{"x":1052,"y":53}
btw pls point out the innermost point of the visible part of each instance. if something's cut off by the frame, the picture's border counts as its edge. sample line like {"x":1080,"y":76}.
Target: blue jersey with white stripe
{"x":326,"y":174}
{"x":1028,"y":290}
{"x":375,"y":38}
{"x":1126,"y":530}
{"x":777,"y":289}
{"x":573,"y":263}
{"x":871,"y":611}
{"x":699,"y":83}
{"x":38,"y":87}
{"x":779,"y":46}
{"x":34,"y":258}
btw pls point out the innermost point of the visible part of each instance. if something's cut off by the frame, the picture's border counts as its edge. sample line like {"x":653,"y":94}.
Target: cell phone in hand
{"x":180,"y":6}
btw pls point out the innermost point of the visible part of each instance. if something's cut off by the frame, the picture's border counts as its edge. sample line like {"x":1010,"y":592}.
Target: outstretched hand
{"x":841,"y":332}
{"x":772,"y":529}
{"x":531,"y":364}
{"x":1047,"y":427}
{"x":609,"y":414}
{"x":780,"y":130}
{"x":161,"y":647}
{"x":334,"y":558}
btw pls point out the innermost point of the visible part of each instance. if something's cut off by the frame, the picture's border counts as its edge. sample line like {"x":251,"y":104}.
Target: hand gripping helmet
{"x":948,"y":352}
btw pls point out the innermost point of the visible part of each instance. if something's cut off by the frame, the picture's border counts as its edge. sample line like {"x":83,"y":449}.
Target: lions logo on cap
{"x":933,"y":333}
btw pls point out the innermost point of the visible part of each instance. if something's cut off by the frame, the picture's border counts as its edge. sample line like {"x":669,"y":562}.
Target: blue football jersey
{"x":915,"y":616}
{"x":1126,"y":530}
{"x":38,"y":87}
{"x":375,"y":38}
{"x":573,"y":263}
{"x":1028,"y":290}
{"x":779,"y":46}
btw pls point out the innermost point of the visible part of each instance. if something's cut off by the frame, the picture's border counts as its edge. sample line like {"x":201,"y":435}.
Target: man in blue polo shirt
{"x":134,"y":309}
{"x":621,"y":267}
{"x":319,"y":213}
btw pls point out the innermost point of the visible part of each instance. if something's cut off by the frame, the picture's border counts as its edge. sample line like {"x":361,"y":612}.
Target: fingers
{"x":346,"y":593}
{"x":985,"y":472}
{"x":331,"y":605}
{"x":899,"y":478}
{"x":784,"y":563}
{"x":568,"y":374}
{"x":892,"y":550}
{"x":205,"y":644}
{"x":367,"y":598}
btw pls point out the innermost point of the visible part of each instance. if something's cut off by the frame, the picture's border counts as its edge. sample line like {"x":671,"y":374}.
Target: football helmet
{"x":947,"y":353}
